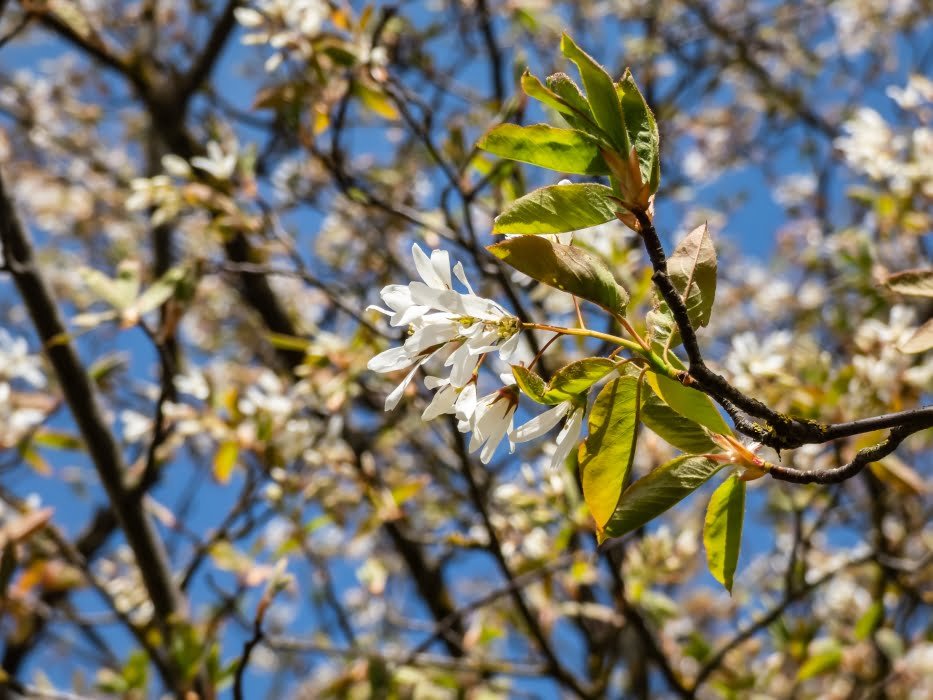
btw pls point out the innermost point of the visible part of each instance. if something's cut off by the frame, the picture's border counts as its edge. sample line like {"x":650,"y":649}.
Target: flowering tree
{"x":233,"y":465}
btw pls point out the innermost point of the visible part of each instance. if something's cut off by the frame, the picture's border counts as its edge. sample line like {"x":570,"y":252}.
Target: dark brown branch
{"x":201,"y":68}
{"x":81,"y":397}
{"x":780,"y":431}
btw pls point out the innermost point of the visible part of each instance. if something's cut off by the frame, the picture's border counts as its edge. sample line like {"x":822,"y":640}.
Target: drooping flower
{"x":491,"y":421}
{"x":571,"y":413}
{"x":442,"y":318}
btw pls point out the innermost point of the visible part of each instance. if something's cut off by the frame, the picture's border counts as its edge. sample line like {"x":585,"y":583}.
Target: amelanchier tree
{"x":233,"y":466}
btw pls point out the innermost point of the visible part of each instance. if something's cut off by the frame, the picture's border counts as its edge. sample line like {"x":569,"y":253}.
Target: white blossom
{"x":441,"y":318}
{"x":218,"y":163}
{"x":491,"y":421}
{"x":572,"y":415}
{"x":17,"y":363}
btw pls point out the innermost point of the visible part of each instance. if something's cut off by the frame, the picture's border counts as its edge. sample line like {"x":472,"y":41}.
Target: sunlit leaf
{"x":689,"y":403}
{"x":920,"y":341}
{"x":658,"y":491}
{"x":564,"y":86}
{"x":570,"y":269}
{"x":911,"y":282}
{"x":600,"y":93}
{"x":722,"y":530}
{"x":642,"y":130}
{"x":606,"y":455}
{"x":530,"y":383}
{"x":683,"y":433}
{"x":557,"y":209}
{"x":869,"y":621}
{"x":225,"y":460}
{"x":577,"y":377}
{"x":823,"y":661}
{"x":692,"y":269}
{"x":563,"y":150}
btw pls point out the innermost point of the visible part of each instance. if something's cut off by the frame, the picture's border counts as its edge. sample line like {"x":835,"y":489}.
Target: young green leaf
{"x":563,"y":150}
{"x":642,"y":130}
{"x":822,"y":661}
{"x":568,"y":268}
{"x":577,"y":118}
{"x":689,"y":403}
{"x":577,"y":377}
{"x":692,"y":269}
{"x":722,"y":530}
{"x":557,"y":209}
{"x":680,"y":432}
{"x":606,"y":455}
{"x":600,"y":93}
{"x":911,"y":282}
{"x":562,"y":85}
{"x":530,"y":383}
{"x":660,"y":490}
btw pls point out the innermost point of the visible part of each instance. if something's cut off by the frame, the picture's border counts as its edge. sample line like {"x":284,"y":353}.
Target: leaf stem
{"x":656,"y":362}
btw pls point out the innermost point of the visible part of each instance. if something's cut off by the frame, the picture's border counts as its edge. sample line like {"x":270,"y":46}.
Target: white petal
{"x":461,"y":275}
{"x":425,"y":269}
{"x":462,"y":364}
{"x":430,"y":335}
{"x":541,"y":423}
{"x":433,"y":383}
{"x":498,"y":432}
{"x":567,"y":439}
{"x":440,"y":261}
{"x":466,"y":402}
{"x":390,"y":360}
{"x":487,"y":342}
{"x":508,"y":348}
{"x":393,"y":398}
{"x":443,"y":402}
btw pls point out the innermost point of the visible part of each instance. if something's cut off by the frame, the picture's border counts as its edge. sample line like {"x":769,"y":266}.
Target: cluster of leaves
{"x":612,"y":124}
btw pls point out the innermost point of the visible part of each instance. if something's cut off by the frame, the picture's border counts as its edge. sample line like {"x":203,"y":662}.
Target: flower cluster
{"x":286,"y":25}
{"x":466,"y":326}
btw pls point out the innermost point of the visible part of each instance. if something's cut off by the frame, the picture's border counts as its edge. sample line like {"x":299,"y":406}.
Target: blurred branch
{"x":80,"y":395}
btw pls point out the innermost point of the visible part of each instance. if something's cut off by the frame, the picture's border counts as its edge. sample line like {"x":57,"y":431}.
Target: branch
{"x":80,"y":395}
{"x":203,"y":65}
{"x":780,"y":431}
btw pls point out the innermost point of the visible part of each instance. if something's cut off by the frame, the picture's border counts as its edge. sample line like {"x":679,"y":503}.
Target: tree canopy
{"x":466,"y":349}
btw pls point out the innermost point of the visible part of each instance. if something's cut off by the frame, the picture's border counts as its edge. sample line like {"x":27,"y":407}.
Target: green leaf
{"x":682,"y":433}
{"x":577,"y":377}
{"x":869,"y":621}
{"x":917,"y":283}
{"x":530,"y":383}
{"x":692,"y":269}
{"x":225,"y":460}
{"x":562,"y":85}
{"x":722,"y":530}
{"x":568,"y":268}
{"x":660,"y":490}
{"x":563,"y":150}
{"x":821,"y":662}
{"x":577,"y":118}
{"x":662,"y":329}
{"x":57,"y":440}
{"x":557,"y":209}
{"x":600,"y":93}
{"x":689,"y":403}
{"x":642,"y":130}
{"x":606,"y":454}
